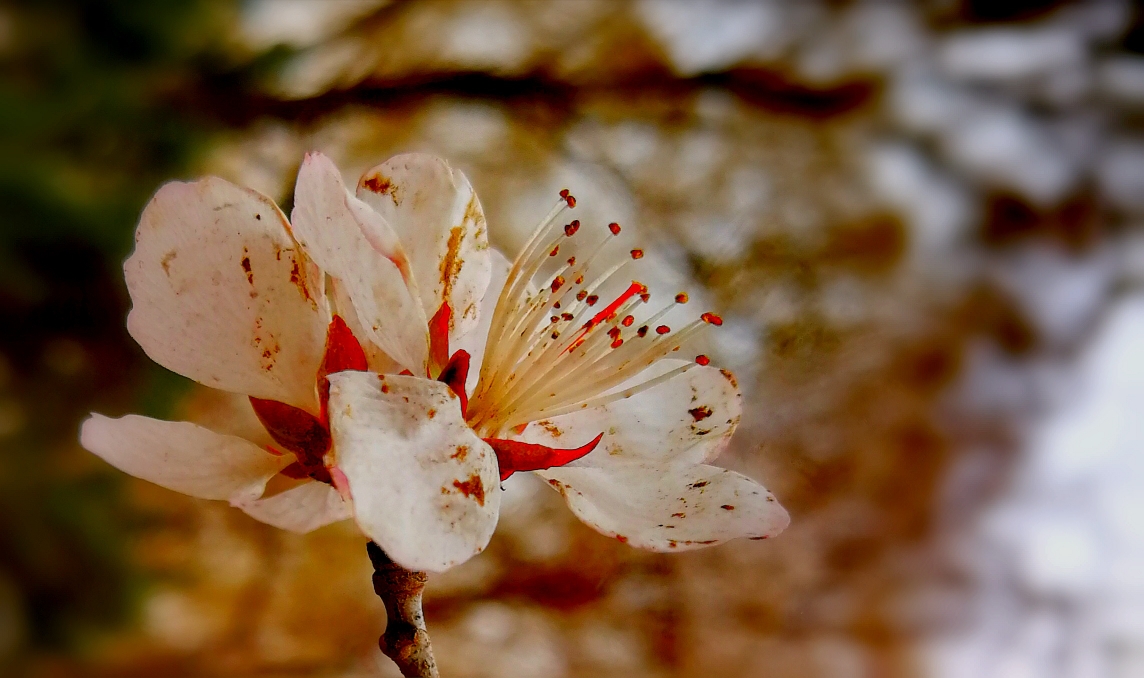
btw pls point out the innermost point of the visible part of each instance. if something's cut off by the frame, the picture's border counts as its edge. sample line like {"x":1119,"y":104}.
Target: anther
{"x":571,"y":261}
{"x":637,"y":254}
{"x":711,"y":319}
{"x":566,"y":316}
{"x":555,"y":251}
{"x":614,"y":228}
{"x":617,"y":343}
{"x":702,"y":360}
{"x":627,"y":321}
{"x":570,"y":229}
{"x":645,"y":297}
{"x":642,"y":332}
{"x":568,"y":198}
{"x":579,"y":279}
{"x":662,"y":329}
{"x":582,"y":293}
{"x":558,"y":282}
{"x":681,"y":298}
{"x":592,"y":299}
{"x":614,"y":332}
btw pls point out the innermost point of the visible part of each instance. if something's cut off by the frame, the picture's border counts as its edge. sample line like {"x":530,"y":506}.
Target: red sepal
{"x":439,"y":337}
{"x":343,"y":352}
{"x":513,"y":455}
{"x":455,"y":374}
{"x":296,"y":430}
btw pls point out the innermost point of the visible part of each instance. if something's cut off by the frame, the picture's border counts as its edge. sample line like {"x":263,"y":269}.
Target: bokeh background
{"x":923,"y":223}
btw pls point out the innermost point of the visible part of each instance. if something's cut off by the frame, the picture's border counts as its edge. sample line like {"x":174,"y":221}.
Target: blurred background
{"x":923,"y":223}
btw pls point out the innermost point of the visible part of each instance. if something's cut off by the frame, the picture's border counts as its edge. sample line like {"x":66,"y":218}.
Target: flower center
{"x":553,"y":350}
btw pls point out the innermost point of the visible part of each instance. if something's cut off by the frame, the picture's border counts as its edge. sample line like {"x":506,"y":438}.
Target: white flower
{"x":339,"y":325}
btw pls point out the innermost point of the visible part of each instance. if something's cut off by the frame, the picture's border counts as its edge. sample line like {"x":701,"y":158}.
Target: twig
{"x":405,"y":641}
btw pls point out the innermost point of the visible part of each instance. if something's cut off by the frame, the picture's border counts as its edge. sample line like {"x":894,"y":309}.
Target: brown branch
{"x":405,"y":641}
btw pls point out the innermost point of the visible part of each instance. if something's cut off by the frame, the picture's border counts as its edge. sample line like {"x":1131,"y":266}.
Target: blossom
{"x":404,"y":369}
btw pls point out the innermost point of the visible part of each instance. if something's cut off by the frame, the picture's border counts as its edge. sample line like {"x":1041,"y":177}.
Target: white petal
{"x":689,"y":418}
{"x":669,"y":509}
{"x":439,"y":219}
{"x":223,"y":295}
{"x":423,"y":485}
{"x":475,"y":340}
{"x":333,"y":227}
{"x":300,"y":509}
{"x":182,"y":456}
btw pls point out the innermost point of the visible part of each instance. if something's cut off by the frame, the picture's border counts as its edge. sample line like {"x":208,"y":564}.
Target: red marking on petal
{"x":294,"y":429}
{"x":455,"y":374}
{"x":513,"y":455}
{"x":439,"y":336}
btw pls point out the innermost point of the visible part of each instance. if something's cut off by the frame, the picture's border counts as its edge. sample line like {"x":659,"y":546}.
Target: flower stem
{"x":405,"y":641}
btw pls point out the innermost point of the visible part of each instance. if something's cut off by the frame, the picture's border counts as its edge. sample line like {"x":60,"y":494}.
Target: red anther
{"x":555,"y":251}
{"x":579,"y":279}
{"x":570,"y":229}
{"x":439,"y":336}
{"x":617,"y":343}
{"x":702,"y":360}
{"x":557,"y":282}
{"x":637,"y":254}
{"x":642,"y":332}
{"x":614,"y":228}
{"x":627,"y":321}
{"x":614,"y":332}
{"x":711,"y":319}
{"x":556,"y":305}
{"x":592,"y":299}
{"x":662,"y":329}
{"x":681,"y":298}
{"x":568,"y":198}
{"x":645,"y":297}
{"x":455,"y":374}
{"x":581,"y":294}
{"x":566,"y":316}
{"x":554,"y":319}
{"x":513,"y":455}
{"x":571,"y":261}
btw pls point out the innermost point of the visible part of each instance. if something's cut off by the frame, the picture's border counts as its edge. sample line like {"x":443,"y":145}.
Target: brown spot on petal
{"x":461,"y":453}
{"x":246,"y":266}
{"x":472,"y":488}
{"x":552,"y":429}
{"x":701,"y":483}
{"x":431,"y":413}
{"x":700,"y":413}
{"x":621,"y":538}
{"x":727,"y":507}
{"x":451,"y":263}
{"x":382,"y":185}
{"x":166,"y":261}
{"x":679,"y":515}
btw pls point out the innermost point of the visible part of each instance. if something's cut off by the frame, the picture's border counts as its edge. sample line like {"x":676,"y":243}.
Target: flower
{"x":404,"y":369}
